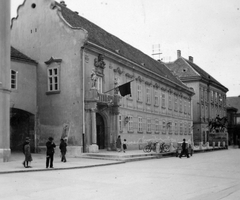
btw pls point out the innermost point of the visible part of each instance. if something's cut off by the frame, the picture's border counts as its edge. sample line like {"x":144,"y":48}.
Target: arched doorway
{"x":21,"y":126}
{"x":100,"y":131}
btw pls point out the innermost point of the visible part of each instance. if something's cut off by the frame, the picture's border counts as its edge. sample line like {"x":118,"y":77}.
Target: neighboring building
{"x":232,"y":125}
{"x":234,"y":102}
{"x":23,"y":99}
{"x":79,"y":64}
{"x":210,"y":95}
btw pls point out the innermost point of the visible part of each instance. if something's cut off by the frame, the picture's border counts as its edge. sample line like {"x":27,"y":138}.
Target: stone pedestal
{"x":201,"y":145}
{"x":93,"y":148}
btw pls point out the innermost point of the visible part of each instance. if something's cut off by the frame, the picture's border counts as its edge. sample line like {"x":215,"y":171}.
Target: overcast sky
{"x":207,"y":30}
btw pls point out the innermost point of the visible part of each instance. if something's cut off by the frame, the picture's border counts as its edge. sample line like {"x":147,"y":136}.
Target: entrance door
{"x":100,"y":131}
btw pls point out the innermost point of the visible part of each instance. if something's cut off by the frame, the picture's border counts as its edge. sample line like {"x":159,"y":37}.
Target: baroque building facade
{"x":209,"y":100}
{"x":80,"y":67}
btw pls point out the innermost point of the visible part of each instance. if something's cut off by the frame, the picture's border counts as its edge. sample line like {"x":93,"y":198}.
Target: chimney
{"x":63,"y":3}
{"x":178,"y":53}
{"x":190,"y":58}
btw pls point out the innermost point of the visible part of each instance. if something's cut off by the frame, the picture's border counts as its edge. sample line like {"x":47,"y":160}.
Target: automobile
{"x":179,"y":149}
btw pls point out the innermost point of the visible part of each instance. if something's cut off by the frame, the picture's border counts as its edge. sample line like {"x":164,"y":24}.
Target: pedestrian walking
{"x":124,"y":145}
{"x":184,"y":149}
{"x":50,"y":152}
{"x":119,"y":144}
{"x":23,"y":149}
{"x":28,"y":155}
{"x":63,"y":149}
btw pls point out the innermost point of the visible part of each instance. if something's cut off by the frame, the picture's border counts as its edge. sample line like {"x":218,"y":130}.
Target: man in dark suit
{"x":50,"y":152}
{"x":184,"y":149}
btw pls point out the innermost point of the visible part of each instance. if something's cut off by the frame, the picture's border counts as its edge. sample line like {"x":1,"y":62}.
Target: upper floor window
{"x":163,"y":100}
{"x":170,"y":102}
{"x":180,"y":104}
{"x":139,"y":92}
{"x":156,"y":99}
{"x":148,"y":96}
{"x":14,"y":79}
{"x":157,"y":127}
{"x":148,"y":125}
{"x":53,"y":79}
{"x":130,"y":124}
{"x":175,"y":103}
{"x":140,"y":124}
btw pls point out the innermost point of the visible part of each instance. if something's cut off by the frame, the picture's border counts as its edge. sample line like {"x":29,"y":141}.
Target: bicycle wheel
{"x":166,"y":148}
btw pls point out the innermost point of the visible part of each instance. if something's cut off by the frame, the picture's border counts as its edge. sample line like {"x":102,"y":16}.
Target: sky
{"x":207,"y":30}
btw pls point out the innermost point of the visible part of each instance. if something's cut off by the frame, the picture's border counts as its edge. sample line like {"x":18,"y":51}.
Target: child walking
{"x":124,"y":145}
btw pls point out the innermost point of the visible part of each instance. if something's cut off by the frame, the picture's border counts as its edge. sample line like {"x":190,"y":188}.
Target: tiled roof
{"x":182,"y":62}
{"x":104,"y":39}
{"x":15,"y":54}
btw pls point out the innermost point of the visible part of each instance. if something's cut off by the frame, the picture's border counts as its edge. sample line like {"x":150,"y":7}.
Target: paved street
{"x":212,"y":175}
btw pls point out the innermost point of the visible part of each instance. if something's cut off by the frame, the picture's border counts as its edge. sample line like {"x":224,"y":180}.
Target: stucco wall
{"x":41,"y":33}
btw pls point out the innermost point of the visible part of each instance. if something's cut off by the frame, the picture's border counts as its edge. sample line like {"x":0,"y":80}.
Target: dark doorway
{"x":100,"y":131}
{"x":21,"y":126}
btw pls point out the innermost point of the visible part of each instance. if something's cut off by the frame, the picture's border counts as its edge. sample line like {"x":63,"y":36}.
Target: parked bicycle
{"x":152,"y":146}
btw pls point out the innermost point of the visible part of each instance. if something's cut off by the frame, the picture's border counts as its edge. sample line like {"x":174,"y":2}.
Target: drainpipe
{"x":83,"y":98}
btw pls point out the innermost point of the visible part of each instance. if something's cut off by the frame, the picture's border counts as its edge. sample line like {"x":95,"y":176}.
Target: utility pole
{"x":5,"y":151}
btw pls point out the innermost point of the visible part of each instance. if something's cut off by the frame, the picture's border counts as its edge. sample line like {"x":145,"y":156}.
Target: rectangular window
{"x":13,"y":80}
{"x":163,"y":127}
{"x":180,"y":104}
{"x":156,"y":99}
{"x":176,"y":103}
{"x":176,"y":128}
{"x":148,"y":96}
{"x":139,"y":92}
{"x":130,"y":124}
{"x":181,"y":128}
{"x":185,"y":106}
{"x":157,"y":126}
{"x":163,"y":100}
{"x":140,"y":124}
{"x":120,"y":123}
{"x":148,"y":125}
{"x":53,"y":79}
{"x":170,"y":102}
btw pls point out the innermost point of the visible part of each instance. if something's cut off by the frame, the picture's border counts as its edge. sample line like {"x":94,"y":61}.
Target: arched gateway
{"x":101,"y":132}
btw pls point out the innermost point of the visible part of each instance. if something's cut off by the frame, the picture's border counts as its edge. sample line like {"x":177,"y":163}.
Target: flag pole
{"x":118,"y":86}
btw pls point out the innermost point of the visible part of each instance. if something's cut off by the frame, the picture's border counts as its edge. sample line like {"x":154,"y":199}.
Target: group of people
{"x":121,"y":146}
{"x":50,"y":150}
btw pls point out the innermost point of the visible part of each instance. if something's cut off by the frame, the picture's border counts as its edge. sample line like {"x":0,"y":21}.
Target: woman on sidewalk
{"x":27,"y":152}
{"x":63,"y":149}
{"x":119,"y":144}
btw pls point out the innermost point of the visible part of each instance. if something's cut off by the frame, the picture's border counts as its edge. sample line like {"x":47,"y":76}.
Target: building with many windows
{"x":80,"y":69}
{"x":209,"y":100}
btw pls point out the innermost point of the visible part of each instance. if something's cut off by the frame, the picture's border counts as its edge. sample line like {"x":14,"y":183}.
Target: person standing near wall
{"x":119,"y":144}
{"x":50,"y":152}
{"x":28,"y":155}
{"x":63,"y":149}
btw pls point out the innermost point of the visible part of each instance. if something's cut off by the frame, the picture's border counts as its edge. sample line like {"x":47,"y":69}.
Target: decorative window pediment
{"x":140,"y":79}
{"x":118,"y":70}
{"x":53,"y":60}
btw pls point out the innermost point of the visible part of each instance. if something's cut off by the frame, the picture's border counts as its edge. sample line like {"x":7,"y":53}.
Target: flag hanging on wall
{"x":125,"y":89}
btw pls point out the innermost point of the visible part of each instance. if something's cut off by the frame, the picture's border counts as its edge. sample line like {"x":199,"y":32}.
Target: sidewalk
{"x":102,"y":158}
{"x":39,"y":163}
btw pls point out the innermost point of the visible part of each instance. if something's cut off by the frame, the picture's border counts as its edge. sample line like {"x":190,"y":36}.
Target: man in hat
{"x":50,"y":152}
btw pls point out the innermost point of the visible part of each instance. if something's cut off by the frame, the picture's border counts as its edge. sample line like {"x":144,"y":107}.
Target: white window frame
{"x":148,"y":125}
{"x":52,"y":82}
{"x":163,"y":100}
{"x":130,"y":124}
{"x":148,"y":95}
{"x":140,"y":122}
{"x":120,"y":122}
{"x":139,"y":92}
{"x":157,"y":127}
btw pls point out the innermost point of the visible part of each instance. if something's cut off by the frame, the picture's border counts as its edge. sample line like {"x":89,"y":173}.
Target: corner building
{"x":209,"y":99}
{"x":79,"y":64}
